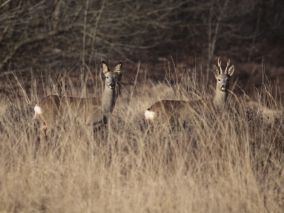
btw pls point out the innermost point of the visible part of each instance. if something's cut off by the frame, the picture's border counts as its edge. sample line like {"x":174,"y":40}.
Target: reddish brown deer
{"x":175,"y":108}
{"x":89,"y":111}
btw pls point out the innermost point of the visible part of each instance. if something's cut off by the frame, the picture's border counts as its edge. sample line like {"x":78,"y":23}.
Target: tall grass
{"x":221,"y":163}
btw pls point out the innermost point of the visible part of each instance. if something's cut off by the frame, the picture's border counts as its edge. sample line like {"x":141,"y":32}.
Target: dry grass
{"x":222,"y":163}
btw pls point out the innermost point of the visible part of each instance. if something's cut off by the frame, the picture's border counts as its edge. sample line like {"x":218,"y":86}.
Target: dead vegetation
{"x":220,"y":163}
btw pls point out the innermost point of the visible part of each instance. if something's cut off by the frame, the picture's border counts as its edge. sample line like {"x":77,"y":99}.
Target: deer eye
{"x":219,"y":79}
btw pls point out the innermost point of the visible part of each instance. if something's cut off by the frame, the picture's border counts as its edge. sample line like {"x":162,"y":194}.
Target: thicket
{"x":57,"y":33}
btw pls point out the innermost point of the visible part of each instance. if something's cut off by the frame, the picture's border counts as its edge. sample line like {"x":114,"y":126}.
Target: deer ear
{"x":231,"y":70}
{"x":117,"y":68}
{"x":104,"y":68}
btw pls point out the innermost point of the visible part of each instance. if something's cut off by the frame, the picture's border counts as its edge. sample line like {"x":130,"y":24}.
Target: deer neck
{"x":220,"y":98}
{"x":108,"y":100}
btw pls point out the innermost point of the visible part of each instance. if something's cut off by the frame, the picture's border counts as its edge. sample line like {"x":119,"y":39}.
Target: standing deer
{"x":174,"y":108}
{"x":90,"y":111}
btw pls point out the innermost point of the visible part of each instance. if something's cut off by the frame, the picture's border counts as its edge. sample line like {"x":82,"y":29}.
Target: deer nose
{"x":111,"y":84}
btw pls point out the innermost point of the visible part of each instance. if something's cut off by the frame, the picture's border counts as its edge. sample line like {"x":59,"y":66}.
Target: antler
{"x":219,"y":65}
{"x":227,"y":66}
{"x":228,"y":70}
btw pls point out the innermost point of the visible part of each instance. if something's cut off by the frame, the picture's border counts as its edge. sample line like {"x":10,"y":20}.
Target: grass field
{"x":225,"y":162}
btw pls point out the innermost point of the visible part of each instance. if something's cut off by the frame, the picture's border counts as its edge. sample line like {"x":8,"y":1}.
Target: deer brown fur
{"x":89,"y":111}
{"x":175,"y":108}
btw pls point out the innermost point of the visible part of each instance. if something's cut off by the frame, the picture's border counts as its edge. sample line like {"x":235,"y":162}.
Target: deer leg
{"x":43,"y":131}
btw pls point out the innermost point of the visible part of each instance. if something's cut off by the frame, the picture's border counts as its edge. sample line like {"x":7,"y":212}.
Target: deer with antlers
{"x":172,"y":109}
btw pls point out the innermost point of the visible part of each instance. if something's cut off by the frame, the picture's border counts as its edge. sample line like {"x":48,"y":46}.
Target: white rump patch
{"x":37,"y":109}
{"x":149,"y":115}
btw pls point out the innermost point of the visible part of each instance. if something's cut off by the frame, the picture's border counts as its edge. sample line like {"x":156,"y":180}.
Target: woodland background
{"x":41,"y":34}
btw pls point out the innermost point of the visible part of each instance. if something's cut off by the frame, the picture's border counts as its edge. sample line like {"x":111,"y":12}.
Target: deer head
{"x":223,"y":76}
{"x":111,"y":78}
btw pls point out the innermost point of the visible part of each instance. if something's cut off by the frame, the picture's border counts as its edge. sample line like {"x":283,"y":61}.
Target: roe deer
{"x":175,"y":108}
{"x":90,"y":111}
